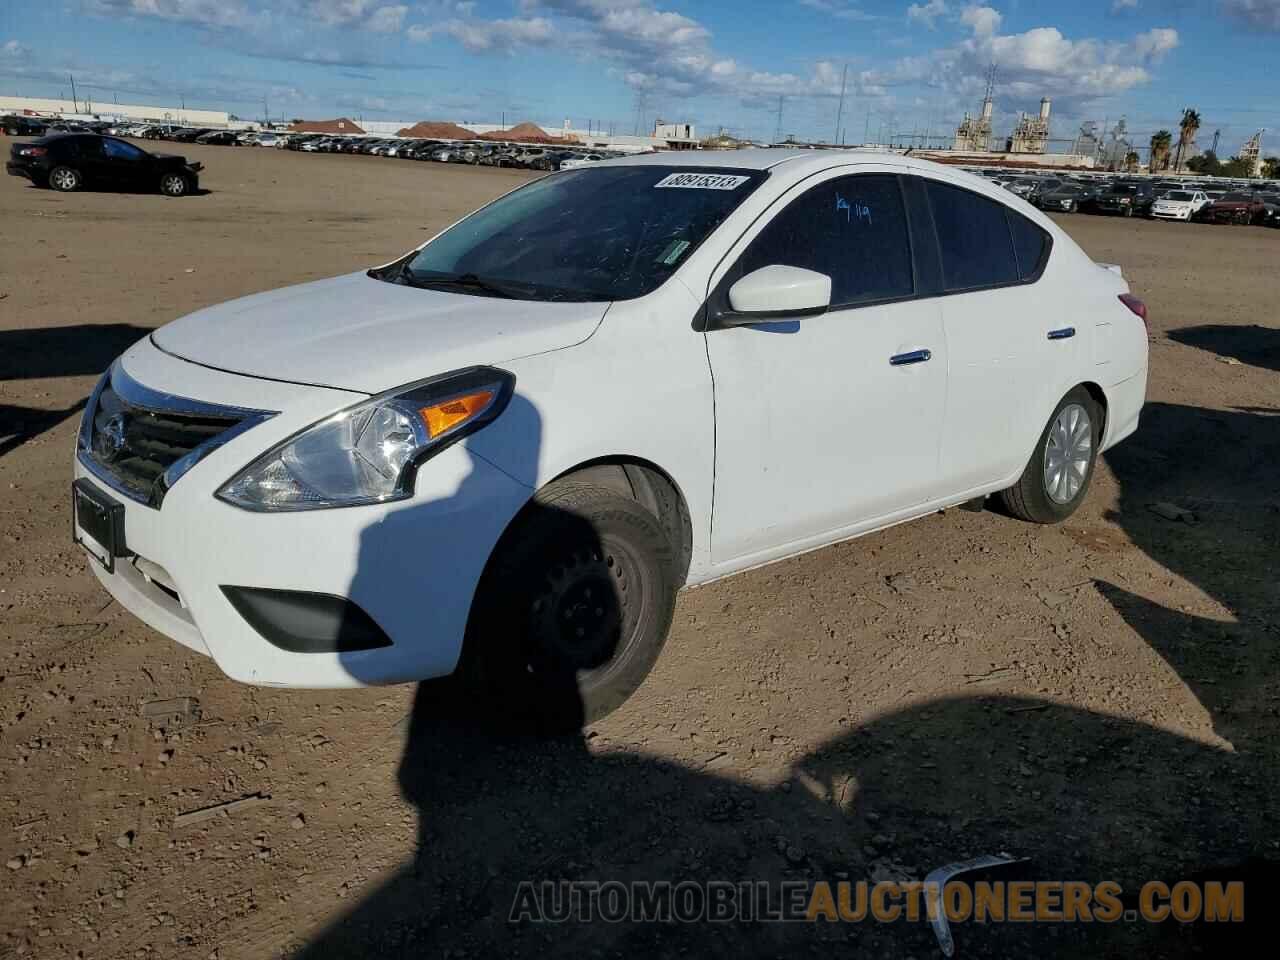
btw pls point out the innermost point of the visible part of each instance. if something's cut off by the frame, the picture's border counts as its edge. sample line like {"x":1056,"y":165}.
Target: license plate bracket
{"x":97,"y":523}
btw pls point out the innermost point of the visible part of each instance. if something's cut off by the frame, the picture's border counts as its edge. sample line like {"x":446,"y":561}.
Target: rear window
{"x":974,"y":238}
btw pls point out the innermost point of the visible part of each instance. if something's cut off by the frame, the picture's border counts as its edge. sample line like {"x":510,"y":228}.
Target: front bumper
{"x":1159,"y":214}
{"x":411,"y":566}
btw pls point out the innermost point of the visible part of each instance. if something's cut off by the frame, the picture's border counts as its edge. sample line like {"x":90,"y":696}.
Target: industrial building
{"x":1031,"y":134}
{"x":84,"y":108}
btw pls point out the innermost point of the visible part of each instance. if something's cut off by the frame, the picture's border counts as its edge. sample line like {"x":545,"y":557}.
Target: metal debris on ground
{"x":219,"y":810}
{"x":937,"y":880}
{"x":1171,"y":511}
{"x":185,"y":707}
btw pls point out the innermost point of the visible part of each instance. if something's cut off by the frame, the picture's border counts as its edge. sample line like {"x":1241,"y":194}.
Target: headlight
{"x":370,"y":453}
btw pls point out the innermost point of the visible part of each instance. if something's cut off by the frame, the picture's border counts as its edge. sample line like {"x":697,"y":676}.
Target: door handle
{"x":915,"y":356}
{"x":1062,"y":334}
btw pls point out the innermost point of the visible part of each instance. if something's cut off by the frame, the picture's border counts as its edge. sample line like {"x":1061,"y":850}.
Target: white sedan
{"x":1179,"y":205}
{"x":505,"y":452}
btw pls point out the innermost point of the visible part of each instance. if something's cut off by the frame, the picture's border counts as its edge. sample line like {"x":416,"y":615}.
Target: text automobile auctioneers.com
{"x":801,"y":901}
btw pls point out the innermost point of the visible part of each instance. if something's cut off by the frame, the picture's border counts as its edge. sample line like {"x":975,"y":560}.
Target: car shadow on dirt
{"x":1255,"y":345}
{"x":82,"y":349}
{"x":1084,"y":795}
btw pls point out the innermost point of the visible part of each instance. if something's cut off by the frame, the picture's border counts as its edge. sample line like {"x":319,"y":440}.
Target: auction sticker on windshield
{"x":702,"y":181}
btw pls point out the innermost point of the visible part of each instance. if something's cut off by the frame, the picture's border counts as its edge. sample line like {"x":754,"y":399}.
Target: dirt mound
{"x":437,"y":131}
{"x":523,"y":133}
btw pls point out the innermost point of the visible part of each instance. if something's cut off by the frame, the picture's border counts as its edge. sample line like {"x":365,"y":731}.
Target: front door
{"x":826,"y":422}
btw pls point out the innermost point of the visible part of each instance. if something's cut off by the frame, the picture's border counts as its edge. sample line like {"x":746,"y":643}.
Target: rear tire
{"x":1058,"y":475}
{"x":572,"y":610}
{"x":65,"y":179}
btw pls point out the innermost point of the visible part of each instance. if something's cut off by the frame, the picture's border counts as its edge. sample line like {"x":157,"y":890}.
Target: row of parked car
{"x":1239,"y":202}
{"x":494,"y":154}
{"x":491,"y":154}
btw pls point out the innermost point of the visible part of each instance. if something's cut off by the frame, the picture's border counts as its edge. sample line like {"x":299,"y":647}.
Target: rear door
{"x":828,"y":421}
{"x":1001,"y":333}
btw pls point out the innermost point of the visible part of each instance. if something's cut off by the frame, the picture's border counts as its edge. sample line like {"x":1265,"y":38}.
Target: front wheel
{"x":174,"y":185}
{"x":572,"y":610}
{"x":1057,"y":477}
{"x":65,"y":179}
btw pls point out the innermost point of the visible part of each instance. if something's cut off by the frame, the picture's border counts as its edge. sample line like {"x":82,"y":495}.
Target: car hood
{"x":357,"y":333}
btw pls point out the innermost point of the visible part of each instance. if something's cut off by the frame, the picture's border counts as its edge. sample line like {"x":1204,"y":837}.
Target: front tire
{"x":572,"y":610}
{"x":174,"y":185}
{"x":65,"y":179}
{"x":1058,"y":475}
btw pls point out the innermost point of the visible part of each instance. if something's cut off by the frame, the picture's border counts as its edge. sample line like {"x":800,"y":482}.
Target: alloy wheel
{"x":1068,"y":453}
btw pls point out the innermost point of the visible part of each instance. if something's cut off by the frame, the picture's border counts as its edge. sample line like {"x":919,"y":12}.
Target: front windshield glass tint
{"x":1178,"y":195}
{"x":598,"y":233}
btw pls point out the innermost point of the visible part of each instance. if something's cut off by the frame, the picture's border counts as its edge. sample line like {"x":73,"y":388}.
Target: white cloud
{"x":927,"y":14}
{"x":220,"y":14}
{"x":387,"y":19}
{"x":1120,"y":6}
{"x":983,"y":21}
{"x":1262,"y":14}
{"x":1155,"y":43}
{"x":840,"y":9}
{"x":481,"y":36}
{"x":12,"y":48}
{"x":336,"y":12}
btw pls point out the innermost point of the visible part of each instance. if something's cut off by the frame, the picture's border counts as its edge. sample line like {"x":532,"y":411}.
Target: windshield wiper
{"x":469,"y":281}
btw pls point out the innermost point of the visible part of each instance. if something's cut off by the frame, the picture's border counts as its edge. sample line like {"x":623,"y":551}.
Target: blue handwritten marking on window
{"x":856,"y":209}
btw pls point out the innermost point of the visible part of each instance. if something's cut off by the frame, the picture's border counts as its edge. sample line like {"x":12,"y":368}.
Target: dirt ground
{"x":1100,"y":697}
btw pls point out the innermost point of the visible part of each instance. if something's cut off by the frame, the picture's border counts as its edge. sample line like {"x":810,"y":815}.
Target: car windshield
{"x":1177,"y":195}
{"x":588,"y":234}
{"x":1236,"y":196}
{"x":1124,"y":188}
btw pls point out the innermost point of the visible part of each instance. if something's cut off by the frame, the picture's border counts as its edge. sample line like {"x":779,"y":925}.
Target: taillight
{"x":32,"y":152}
{"x":1136,"y":306}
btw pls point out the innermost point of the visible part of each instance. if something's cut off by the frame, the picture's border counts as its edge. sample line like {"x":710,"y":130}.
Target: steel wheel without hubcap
{"x":581,"y":611}
{"x":1068,"y":453}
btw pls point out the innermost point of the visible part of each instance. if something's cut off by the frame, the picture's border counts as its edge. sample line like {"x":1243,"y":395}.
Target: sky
{"x":621,"y":64}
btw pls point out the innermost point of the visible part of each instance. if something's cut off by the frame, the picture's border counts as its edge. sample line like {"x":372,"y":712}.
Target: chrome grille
{"x":141,"y":441}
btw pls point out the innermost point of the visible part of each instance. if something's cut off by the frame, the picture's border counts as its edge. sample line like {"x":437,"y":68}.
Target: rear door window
{"x":974,"y":239}
{"x":1030,"y":245}
{"x":853,"y":229}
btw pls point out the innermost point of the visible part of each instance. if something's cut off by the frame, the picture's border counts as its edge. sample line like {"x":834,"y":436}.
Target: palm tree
{"x":1187,"y":130}
{"x":1160,"y":142}
{"x":1131,"y":162}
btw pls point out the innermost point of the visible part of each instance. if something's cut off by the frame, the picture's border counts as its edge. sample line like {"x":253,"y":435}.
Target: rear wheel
{"x":65,"y":179}
{"x":573,"y":609}
{"x":1057,"y":477}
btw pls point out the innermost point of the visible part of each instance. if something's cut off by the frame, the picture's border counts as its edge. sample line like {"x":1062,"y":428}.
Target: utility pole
{"x":777,"y":136}
{"x":1216,"y":135}
{"x":844,"y":81}
{"x":866,"y":130}
{"x":75,"y":104}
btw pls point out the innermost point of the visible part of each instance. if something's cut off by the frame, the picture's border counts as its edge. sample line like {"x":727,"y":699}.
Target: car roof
{"x":769,"y":158}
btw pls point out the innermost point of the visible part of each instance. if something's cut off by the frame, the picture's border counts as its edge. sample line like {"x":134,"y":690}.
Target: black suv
{"x":70,"y":161}
{"x":1126,"y":199}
